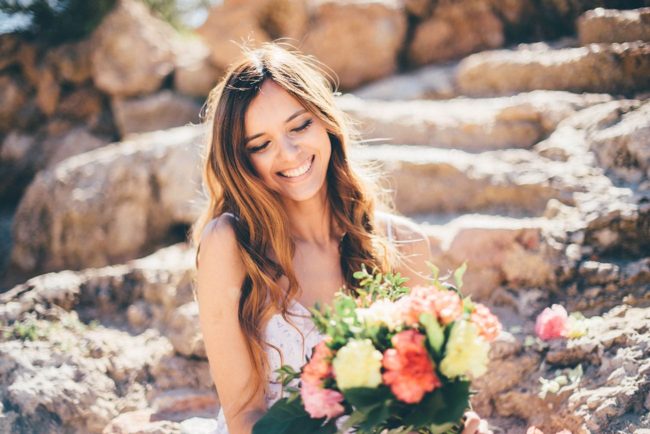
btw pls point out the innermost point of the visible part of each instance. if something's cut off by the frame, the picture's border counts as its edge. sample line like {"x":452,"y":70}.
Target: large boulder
{"x":604,"y":68}
{"x":359,"y":41}
{"x":12,"y":98}
{"x":612,"y":25}
{"x":110,"y":204}
{"x":132,"y":51}
{"x":194,"y":74}
{"x":454,"y":30}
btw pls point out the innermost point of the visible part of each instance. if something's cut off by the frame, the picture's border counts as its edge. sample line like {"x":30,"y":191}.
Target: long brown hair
{"x":260,"y":222}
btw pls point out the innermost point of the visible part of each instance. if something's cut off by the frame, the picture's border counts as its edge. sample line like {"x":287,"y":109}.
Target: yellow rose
{"x":357,"y":364}
{"x":467,"y":352}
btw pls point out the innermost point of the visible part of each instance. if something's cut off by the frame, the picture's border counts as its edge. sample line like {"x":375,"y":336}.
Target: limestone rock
{"x":194,"y":75}
{"x":184,"y":332}
{"x":623,"y":147}
{"x":131,"y":51}
{"x":511,"y":182}
{"x":498,"y":251}
{"x":74,"y":142}
{"x":84,"y":103}
{"x":359,"y":41}
{"x":141,"y":422}
{"x":455,"y":29}
{"x":73,"y":61}
{"x":159,"y":111}
{"x":472,"y":125}
{"x":612,"y":25}
{"x":607,"y":68}
{"x":139,"y":177}
{"x":227,"y":27}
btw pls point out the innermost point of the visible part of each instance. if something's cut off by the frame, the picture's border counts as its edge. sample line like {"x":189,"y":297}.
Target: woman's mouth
{"x":298,"y":171}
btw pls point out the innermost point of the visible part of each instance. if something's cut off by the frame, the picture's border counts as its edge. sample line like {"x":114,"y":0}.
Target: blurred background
{"x":516,"y":132}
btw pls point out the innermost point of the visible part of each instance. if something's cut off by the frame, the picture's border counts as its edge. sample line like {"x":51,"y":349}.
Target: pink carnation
{"x":447,"y":306}
{"x":409,"y":369}
{"x":320,"y":402}
{"x":488,"y":324}
{"x":319,"y":366}
{"x":552,"y":323}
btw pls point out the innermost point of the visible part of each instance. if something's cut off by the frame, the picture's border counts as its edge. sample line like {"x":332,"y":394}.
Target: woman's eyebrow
{"x":293,"y":116}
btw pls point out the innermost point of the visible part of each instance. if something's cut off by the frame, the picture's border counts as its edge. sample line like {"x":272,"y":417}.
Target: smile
{"x":298,"y":171}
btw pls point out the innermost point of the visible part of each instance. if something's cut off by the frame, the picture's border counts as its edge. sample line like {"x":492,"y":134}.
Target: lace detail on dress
{"x":295,"y":343}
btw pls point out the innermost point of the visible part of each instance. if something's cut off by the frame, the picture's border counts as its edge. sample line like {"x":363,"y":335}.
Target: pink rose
{"x":552,"y":323}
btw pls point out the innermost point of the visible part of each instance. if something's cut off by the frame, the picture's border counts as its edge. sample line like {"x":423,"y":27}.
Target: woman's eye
{"x":259,"y":148}
{"x":304,"y":126}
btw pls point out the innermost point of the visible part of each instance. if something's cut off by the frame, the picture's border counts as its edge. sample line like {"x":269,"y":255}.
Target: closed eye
{"x":253,"y":149}
{"x":304,"y":126}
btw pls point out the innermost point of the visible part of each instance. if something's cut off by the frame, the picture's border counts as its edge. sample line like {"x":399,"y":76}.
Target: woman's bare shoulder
{"x":218,"y":259}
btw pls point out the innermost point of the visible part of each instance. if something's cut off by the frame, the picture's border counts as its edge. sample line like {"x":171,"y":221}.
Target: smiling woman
{"x":287,"y":223}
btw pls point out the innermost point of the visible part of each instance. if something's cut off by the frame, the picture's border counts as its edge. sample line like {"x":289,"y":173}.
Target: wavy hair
{"x":260,"y":222}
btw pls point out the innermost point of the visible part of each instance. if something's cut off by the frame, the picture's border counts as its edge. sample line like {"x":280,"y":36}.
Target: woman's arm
{"x":219,"y":278}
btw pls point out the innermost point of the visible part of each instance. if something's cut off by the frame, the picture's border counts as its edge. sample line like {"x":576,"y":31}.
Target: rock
{"x":612,"y":25}
{"x":608,"y":68}
{"x":227,"y":26}
{"x":623,"y":146}
{"x":472,"y":125}
{"x":357,"y":49}
{"x":48,"y":91}
{"x":194,"y":75}
{"x":83,"y":103}
{"x":138,"y":177}
{"x":184,"y":332}
{"x":174,"y":372}
{"x":72,"y":61}
{"x":429,"y":82}
{"x":12,"y":98}
{"x":160,"y":111}
{"x":498,"y":251}
{"x":512,"y":182}
{"x":76,"y":141}
{"x":141,"y":422}
{"x":163,"y":280}
{"x":9,"y":48}
{"x":283,"y":18}
{"x":181,"y":404}
{"x":16,"y":148}
{"x":455,"y":29}
{"x":131,"y":51}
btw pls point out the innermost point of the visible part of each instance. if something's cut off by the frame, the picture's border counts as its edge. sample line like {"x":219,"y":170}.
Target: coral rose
{"x":319,"y":366}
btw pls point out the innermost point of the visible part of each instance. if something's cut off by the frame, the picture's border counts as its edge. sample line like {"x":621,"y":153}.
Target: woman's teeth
{"x":293,"y":173}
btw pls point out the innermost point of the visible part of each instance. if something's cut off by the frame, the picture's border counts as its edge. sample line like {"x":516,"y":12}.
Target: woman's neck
{"x":310,"y":220}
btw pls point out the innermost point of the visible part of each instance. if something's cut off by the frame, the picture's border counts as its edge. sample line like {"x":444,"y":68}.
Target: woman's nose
{"x":289,"y":148}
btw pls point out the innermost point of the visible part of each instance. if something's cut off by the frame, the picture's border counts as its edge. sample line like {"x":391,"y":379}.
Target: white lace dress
{"x":295,"y":343}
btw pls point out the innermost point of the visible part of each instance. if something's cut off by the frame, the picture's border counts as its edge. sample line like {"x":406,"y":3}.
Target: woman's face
{"x":287,"y":145}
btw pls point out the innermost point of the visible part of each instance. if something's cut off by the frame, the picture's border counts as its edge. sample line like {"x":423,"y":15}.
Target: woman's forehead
{"x":270,"y":106}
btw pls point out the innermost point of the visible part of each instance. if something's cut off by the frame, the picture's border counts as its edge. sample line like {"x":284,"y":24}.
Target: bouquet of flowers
{"x":394,"y":360}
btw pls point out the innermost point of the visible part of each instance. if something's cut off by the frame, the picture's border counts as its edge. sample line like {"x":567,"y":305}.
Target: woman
{"x":287,"y":224}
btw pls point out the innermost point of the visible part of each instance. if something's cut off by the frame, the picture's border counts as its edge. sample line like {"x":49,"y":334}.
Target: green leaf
{"x":365,"y":397}
{"x":289,"y":417}
{"x":447,"y":404}
{"x":435,"y":271}
{"x":458,"y":275}
{"x":435,"y":333}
